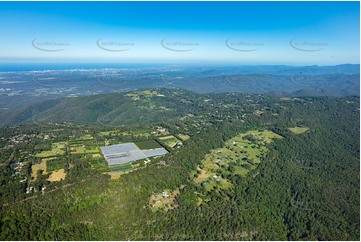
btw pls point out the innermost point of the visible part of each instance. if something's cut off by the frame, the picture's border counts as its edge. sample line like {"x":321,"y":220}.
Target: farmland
{"x":149,"y":144}
{"x":57,"y":149}
{"x":169,"y":141}
{"x":83,"y":145}
{"x":183,"y":137}
{"x":238,"y":175}
{"x":53,"y":161}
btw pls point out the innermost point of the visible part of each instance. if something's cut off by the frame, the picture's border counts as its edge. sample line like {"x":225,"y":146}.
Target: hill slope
{"x":149,"y":106}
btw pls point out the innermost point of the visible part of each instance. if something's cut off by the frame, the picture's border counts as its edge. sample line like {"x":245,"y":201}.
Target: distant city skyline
{"x":249,"y":33}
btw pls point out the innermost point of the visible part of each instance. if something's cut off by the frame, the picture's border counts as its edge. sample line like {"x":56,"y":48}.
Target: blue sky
{"x":295,"y":33}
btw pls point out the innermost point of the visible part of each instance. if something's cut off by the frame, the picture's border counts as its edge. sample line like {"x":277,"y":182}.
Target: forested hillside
{"x":288,"y":169}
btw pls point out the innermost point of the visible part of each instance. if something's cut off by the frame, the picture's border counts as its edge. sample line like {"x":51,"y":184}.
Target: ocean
{"x":14,"y":67}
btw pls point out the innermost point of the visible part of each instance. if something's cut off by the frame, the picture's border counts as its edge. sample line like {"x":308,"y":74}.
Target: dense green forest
{"x":306,"y":186}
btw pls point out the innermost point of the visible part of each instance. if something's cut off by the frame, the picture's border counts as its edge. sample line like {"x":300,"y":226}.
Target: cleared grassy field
{"x":183,"y":137}
{"x":35,"y":168}
{"x":158,"y":201}
{"x":77,"y":150}
{"x":240,"y":155}
{"x":116,"y":175}
{"x":166,"y":137}
{"x":146,"y":133}
{"x":83,"y":147}
{"x":169,"y":141}
{"x":106,"y":133}
{"x":57,"y":149}
{"x":212,"y":184}
{"x":299,"y":130}
{"x":99,"y":164}
{"x":86,"y":137}
{"x":146,"y":93}
{"x":149,"y":144}
{"x":96,"y":155}
{"x":57,"y":175}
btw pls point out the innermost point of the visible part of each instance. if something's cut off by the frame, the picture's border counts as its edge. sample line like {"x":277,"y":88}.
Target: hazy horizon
{"x":38,"y":66}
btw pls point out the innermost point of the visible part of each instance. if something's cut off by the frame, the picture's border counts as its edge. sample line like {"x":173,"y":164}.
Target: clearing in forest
{"x":116,"y":175}
{"x":239,"y":155}
{"x":148,"y":144}
{"x":183,"y":137}
{"x":83,"y":145}
{"x":169,"y":141}
{"x":56,"y":150}
{"x":57,"y":175}
{"x":96,"y":156}
{"x":164,"y":200}
{"x":37,"y":167}
{"x":299,"y":130}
